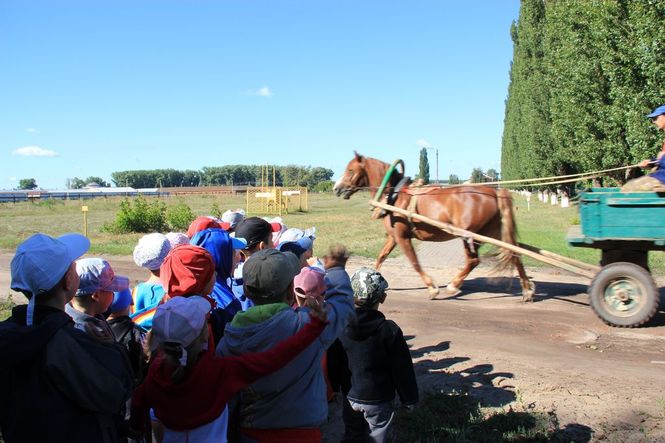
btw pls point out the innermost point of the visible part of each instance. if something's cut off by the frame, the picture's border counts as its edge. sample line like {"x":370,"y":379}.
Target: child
{"x":257,"y":234}
{"x":299,"y":242}
{"x":222,"y":248}
{"x":379,"y":361}
{"x":126,"y":332}
{"x":149,"y":253}
{"x":58,"y":383}
{"x":310,"y":283}
{"x":188,"y":386}
{"x":231,"y":219}
{"x":289,"y":404}
{"x":94,"y":296}
{"x":201,"y":223}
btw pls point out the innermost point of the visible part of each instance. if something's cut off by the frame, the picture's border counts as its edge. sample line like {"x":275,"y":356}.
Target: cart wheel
{"x":624,"y":294}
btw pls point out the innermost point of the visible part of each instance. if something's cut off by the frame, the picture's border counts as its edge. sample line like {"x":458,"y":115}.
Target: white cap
{"x":180,"y":320}
{"x":151,"y":251}
{"x":295,"y":234}
{"x":177,"y":238}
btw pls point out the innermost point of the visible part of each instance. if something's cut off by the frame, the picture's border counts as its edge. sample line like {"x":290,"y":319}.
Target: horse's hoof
{"x":452,"y":290}
{"x":433,"y":292}
{"x":527,"y":294}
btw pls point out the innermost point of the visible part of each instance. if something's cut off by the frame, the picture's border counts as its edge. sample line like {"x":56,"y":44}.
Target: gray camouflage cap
{"x":368,"y":286}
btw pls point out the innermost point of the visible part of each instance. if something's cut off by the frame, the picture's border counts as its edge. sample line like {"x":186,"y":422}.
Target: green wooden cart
{"x":625,"y":226}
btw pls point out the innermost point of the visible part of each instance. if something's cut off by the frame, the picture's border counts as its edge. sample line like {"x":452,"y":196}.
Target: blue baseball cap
{"x":660,"y":110}
{"x":121,"y":300}
{"x":41,"y":261}
{"x":97,"y":275}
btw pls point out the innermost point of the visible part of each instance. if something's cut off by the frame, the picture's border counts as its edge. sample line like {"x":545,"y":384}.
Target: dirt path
{"x":607,"y":384}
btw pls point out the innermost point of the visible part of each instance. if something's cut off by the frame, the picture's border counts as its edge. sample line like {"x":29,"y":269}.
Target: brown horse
{"x":479,"y":209}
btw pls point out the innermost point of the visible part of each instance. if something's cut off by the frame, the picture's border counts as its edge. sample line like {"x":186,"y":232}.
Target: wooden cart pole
{"x":576,"y":269}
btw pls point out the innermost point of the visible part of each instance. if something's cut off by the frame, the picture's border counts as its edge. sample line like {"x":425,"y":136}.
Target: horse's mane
{"x":383,"y":167}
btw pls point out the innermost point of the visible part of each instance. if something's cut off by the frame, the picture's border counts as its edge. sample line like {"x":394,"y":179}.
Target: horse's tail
{"x":508,"y":227}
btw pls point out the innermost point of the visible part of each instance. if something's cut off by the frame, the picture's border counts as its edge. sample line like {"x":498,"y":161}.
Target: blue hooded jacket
{"x":218,"y":243}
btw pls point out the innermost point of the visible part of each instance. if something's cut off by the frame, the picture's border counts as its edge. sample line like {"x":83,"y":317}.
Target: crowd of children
{"x":237,"y":334}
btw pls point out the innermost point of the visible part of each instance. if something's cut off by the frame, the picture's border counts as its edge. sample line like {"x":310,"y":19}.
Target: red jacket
{"x":210,"y":383}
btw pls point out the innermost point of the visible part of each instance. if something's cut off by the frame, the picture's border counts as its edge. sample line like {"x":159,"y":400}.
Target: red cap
{"x":201,"y":223}
{"x":186,"y":270}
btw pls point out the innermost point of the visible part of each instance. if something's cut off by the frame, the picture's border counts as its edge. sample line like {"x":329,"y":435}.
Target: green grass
{"x":6,"y":308}
{"x":336,"y":220}
{"x":442,"y":417}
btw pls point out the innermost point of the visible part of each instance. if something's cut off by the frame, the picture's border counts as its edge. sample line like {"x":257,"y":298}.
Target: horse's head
{"x":353,"y":178}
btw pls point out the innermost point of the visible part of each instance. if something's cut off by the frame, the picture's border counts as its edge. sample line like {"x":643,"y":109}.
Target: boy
{"x":57,"y":383}
{"x":94,"y":296}
{"x":127,"y":333}
{"x":149,"y":253}
{"x":289,"y":404}
{"x":257,"y":234}
{"x":379,"y":362}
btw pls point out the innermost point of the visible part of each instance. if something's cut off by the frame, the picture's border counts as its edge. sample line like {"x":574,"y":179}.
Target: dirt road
{"x":606,"y":384}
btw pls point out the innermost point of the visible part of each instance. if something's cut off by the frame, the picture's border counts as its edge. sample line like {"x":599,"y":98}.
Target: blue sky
{"x":92,"y":87}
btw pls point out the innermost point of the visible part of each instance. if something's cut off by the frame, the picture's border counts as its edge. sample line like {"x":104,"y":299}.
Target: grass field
{"x":336,"y":220}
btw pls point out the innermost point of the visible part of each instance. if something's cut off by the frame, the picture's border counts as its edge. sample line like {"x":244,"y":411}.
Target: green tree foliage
{"x":583,"y":76}
{"x":156,"y":178}
{"x":27,"y":183}
{"x":453,"y":179}
{"x":77,"y":183}
{"x":477,"y":176}
{"x":423,"y":166}
{"x":228,"y":175}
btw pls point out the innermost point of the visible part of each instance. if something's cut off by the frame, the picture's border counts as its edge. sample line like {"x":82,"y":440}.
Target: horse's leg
{"x":407,"y":248}
{"x":388,"y":247}
{"x":528,"y":287}
{"x":472,"y":260}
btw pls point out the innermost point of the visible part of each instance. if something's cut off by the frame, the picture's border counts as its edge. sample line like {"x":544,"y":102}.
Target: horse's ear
{"x":359,"y":158}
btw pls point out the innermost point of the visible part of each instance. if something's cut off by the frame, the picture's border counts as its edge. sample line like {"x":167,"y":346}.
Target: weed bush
{"x":6,"y":307}
{"x":215,"y":211}
{"x":179,"y":217}
{"x":141,"y":216}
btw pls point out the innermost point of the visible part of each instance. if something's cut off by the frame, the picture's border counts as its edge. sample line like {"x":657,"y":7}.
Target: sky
{"x":93,"y":87}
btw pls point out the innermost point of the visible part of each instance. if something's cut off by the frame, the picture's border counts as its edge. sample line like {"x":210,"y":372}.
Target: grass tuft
{"x":443,"y":417}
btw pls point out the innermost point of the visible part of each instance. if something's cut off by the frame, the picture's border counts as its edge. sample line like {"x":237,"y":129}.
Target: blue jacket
{"x":660,"y":171}
{"x":218,"y":243}
{"x":294,"y":396}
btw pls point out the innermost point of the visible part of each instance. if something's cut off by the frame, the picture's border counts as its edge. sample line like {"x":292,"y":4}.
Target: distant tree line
{"x":78,"y":183}
{"x":290,"y":175}
{"x":583,"y":76}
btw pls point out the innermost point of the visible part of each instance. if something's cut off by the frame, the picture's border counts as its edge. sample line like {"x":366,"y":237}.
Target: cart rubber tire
{"x":624,"y":294}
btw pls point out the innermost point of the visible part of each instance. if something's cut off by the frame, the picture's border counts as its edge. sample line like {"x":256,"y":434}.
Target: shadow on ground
{"x":474,"y":403}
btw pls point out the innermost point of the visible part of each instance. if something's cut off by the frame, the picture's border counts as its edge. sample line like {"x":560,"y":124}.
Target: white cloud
{"x":34,"y":151}
{"x":12,"y":179}
{"x":423,"y":143}
{"x":263,"y":92}
{"x":32,"y":130}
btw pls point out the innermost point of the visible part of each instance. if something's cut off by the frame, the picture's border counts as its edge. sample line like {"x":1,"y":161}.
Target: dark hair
{"x":43,"y":297}
{"x":254,"y":230}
